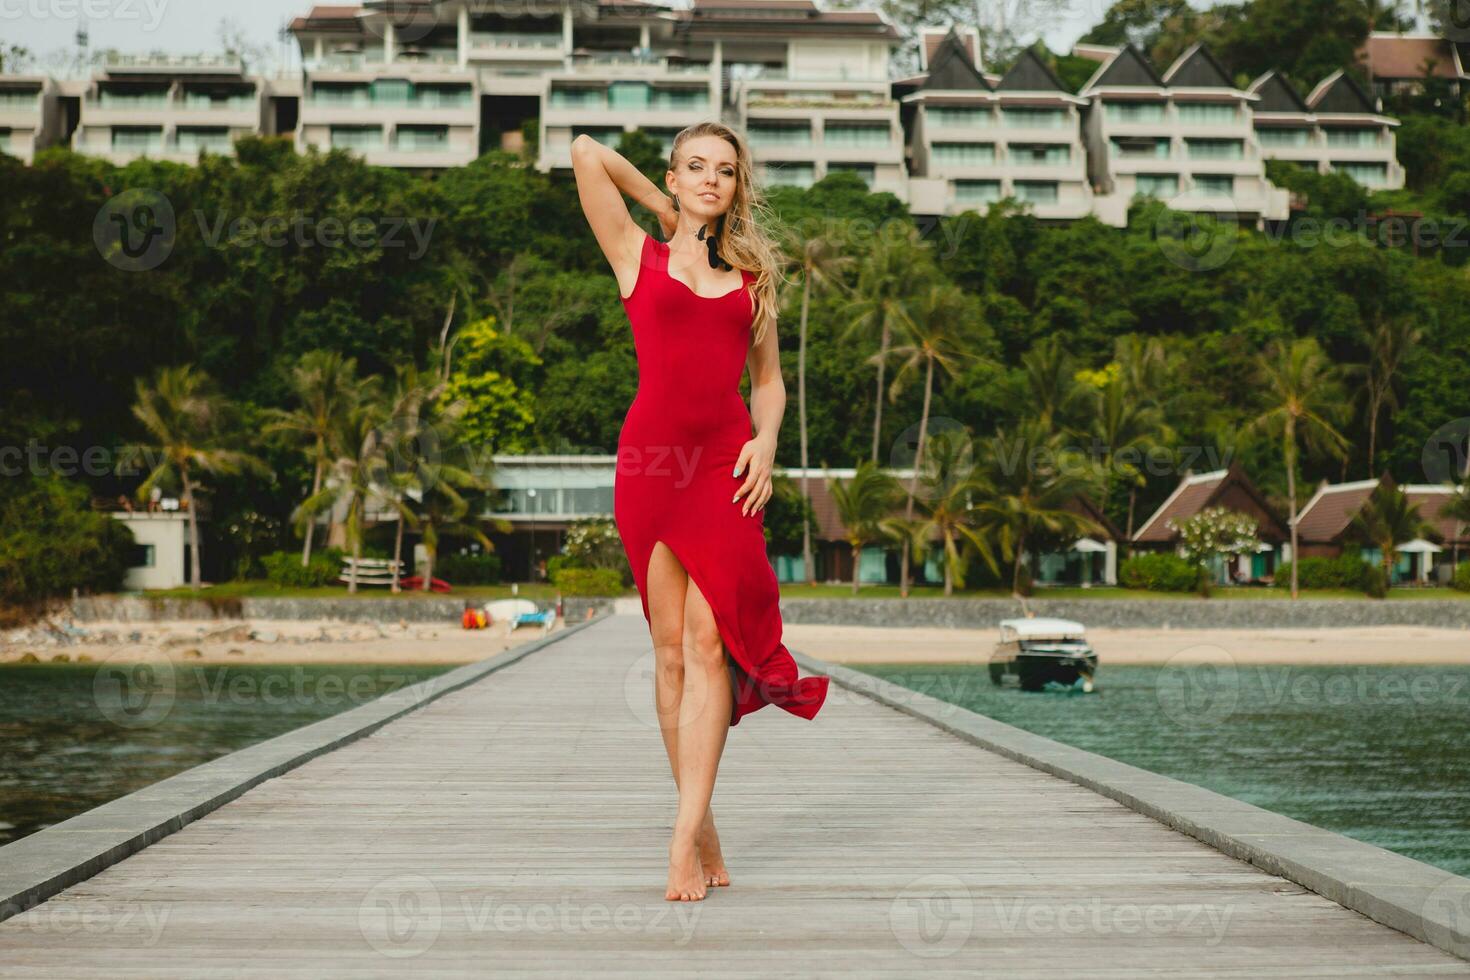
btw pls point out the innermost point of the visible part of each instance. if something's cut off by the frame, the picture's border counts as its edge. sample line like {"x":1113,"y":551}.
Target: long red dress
{"x":675,"y":475}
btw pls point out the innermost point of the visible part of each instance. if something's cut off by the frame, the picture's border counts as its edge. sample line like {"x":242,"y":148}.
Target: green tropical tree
{"x":1386,"y":520}
{"x":888,"y":277}
{"x":949,"y":505}
{"x":864,"y":502}
{"x":183,"y":419}
{"x":820,"y":266}
{"x":932,"y":341}
{"x":354,"y":478}
{"x":1391,"y":341}
{"x":326,"y":387}
{"x":1032,"y":480}
{"x":1304,"y":398}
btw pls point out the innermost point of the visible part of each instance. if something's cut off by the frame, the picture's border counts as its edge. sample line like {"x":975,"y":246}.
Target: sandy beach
{"x":260,"y":641}
{"x":1351,"y":645}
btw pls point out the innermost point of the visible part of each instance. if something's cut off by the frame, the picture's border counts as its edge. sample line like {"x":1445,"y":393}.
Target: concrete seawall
{"x":959,"y":613}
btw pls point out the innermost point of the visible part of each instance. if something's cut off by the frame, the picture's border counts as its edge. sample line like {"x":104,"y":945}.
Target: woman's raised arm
{"x":603,"y":177}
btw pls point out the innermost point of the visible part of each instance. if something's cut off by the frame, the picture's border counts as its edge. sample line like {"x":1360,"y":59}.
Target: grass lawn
{"x":790,"y":590}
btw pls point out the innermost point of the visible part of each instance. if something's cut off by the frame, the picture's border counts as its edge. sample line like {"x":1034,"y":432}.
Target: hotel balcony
{"x":27,"y":116}
{"x":399,"y":144}
{"x":121,"y":145}
{"x":1054,"y":199}
{"x":608,"y":96}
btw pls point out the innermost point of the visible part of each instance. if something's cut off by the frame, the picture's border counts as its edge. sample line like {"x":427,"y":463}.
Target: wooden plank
{"x":522,"y":823}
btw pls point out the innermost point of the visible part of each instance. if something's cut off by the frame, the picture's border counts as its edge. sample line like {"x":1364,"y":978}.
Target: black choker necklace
{"x":712,"y":243}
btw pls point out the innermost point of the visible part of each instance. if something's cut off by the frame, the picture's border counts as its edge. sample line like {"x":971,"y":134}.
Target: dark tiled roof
{"x":328,"y":18}
{"x":1277,"y":94}
{"x":1230,"y":489}
{"x":1191,"y":496}
{"x":778,"y":18}
{"x":1031,"y":74}
{"x":1130,"y":67}
{"x":1198,"y":68}
{"x":1431,"y":501}
{"x":932,"y":40}
{"x":1340,"y":93}
{"x":952,"y":68}
{"x":1404,"y":57}
{"x":1331,"y":511}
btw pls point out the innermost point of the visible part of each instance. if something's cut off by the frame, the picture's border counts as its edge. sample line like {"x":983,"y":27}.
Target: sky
{"x":192,"y":26}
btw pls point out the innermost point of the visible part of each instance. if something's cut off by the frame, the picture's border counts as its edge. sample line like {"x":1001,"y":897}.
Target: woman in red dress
{"x":692,"y":478}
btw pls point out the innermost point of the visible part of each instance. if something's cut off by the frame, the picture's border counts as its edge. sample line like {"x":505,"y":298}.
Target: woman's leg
{"x":704,"y":722}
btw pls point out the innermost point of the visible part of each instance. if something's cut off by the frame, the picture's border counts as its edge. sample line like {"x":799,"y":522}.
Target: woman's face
{"x":703,"y":179}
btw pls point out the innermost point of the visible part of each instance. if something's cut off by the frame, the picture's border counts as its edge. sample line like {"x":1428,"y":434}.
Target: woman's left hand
{"x":756,"y":460}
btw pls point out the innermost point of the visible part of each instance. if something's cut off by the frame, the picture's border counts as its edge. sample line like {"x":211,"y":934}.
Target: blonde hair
{"x":744,"y":243}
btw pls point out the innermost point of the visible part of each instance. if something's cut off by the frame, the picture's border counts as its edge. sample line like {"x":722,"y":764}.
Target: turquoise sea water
{"x":77,"y":736}
{"x":1379,"y":753}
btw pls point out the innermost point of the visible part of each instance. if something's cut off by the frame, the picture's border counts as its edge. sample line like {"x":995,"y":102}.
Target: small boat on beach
{"x":1039,"y":651}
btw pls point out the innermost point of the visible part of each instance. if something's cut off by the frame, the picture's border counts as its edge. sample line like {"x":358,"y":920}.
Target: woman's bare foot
{"x":708,"y":842}
{"x":686,"y":878}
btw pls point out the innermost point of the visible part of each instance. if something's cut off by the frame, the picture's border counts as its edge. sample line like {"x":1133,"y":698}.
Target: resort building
{"x":432,"y":84}
{"x":1401,"y":64}
{"x":167,"y":108}
{"x":1336,"y":128}
{"x":29,"y":114}
{"x":1326,"y":529}
{"x":1185,"y":137}
{"x":974,"y":141}
{"x":1231,"y":490}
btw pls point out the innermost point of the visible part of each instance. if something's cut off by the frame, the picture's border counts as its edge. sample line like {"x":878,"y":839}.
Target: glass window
{"x":1284,"y":136}
{"x":134,"y":98}
{"x":856,"y":134}
{"x":334,"y":93}
{"x":1367,"y":174}
{"x":1214,"y":185}
{"x":976,"y":191}
{"x":357,"y":137}
{"x":19,"y":99}
{"x":1212,"y":149}
{"x":790,"y":174}
{"x":1035,"y":118}
{"x":443,"y":96}
{"x":133,"y":138}
{"x":392,"y":91}
{"x":780,"y":132}
{"x":679,"y":99}
{"x":577,"y":98}
{"x":421,"y":138}
{"x":221,"y":100}
{"x":1209,"y":113}
{"x":1037,"y":191}
{"x":1134,"y":112}
{"x":963,"y":154}
{"x":1141,"y":147}
{"x":863,"y":170}
{"x":215,"y":139}
{"x":963,"y":117}
{"x":1366,"y":138}
{"x":1158,"y":185}
{"x":627,"y":95}
{"x":1040,"y":154}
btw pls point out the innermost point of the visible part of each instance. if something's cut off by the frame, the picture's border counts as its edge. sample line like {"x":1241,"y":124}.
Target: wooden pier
{"x":521,"y":824}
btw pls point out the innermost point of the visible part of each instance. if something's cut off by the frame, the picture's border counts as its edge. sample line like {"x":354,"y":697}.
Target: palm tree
{"x":1387,"y":520}
{"x":326,"y":386}
{"x":1054,"y":395}
{"x":1391,"y":341}
{"x":949,"y":514}
{"x":355,"y":476}
{"x":864,"y":502}
{"x":820,"y":266}
{"x":1144,"y":369}
{"x":1032,"y":480}
{"x":406,"y":441}
{"x":1124,"y":425}
{"x":886,"y":282}
{"x":932,"y":341}
{"x":181,"y":413}
{"x":1304,"y":394}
